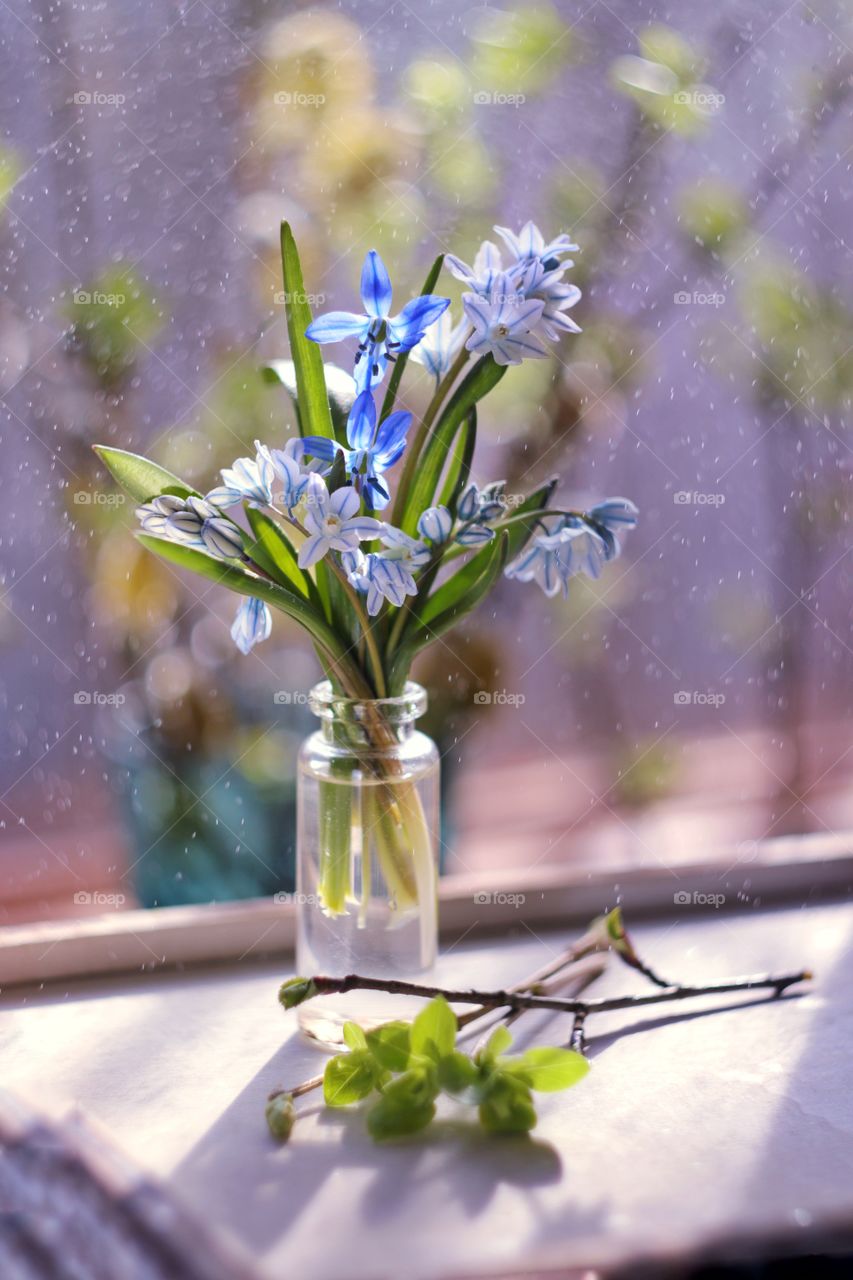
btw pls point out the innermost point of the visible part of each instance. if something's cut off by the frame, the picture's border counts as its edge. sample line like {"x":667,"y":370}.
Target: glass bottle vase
{"x":367,"y":855}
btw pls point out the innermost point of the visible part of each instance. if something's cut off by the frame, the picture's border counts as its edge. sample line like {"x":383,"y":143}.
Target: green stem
{"x":415,"y":449}
{"x":358,"y":609}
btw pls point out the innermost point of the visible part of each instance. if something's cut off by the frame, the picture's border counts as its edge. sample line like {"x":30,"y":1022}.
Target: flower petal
{"x":319,"y":447}
{"x":364,"y":527}
{"x":335,"y":326}
{"x":375,"y":286}
{"x":408,"y":327}
{"x":361,"y":422}
{"x":391,"y":436}
{"x":344,"y":502}
{"x":312,"y":550}
{"x":479,"y":312}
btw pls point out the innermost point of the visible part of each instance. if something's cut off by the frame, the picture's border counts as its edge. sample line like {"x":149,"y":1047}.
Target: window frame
{"x":142,"y":940}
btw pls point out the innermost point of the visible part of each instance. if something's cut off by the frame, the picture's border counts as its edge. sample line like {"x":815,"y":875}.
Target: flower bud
{"x":222,"y":538}
{"x":184,"y":526}
{"x":469,"y":504}
{"x":476,"y":535}
{"x":435,"y":524}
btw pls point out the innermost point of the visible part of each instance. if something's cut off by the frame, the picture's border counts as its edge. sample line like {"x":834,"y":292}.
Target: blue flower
{"x":556,"y":295}
{"x":381,"y":337}
{"x":553,"y":558}
{"x":474,"y":507}
{"x":468,"y":506}
{"x":252,"y":624}
{"x":372,"y":452}
{"x":529,"y":246}
{"x":482,"y":504}
{"x":481,"y":277}
{"x":405,"y":550}
{"x":503,"y":323}
{"x":615,"y":514}
{"x":290,"y":480}
{"x":249,"y":479}
{"x":435,"y":524}
{"x":474,"y":535}
{"x":333,"y":522}
{"x":440,"y":345}
{"x":379,"y":578}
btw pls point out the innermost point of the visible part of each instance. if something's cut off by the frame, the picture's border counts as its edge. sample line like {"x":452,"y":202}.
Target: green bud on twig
{"x":295,"y":991}
{"x":281,"y":1116}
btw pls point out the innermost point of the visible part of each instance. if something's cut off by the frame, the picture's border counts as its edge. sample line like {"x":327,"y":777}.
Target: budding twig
{"x":323,"y":986}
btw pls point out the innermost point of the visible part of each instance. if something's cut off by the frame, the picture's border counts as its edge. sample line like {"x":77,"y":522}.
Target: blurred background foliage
{"x":361,"y":151}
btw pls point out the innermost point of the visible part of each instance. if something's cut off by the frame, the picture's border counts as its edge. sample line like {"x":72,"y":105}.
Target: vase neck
{"x":380,"y":723}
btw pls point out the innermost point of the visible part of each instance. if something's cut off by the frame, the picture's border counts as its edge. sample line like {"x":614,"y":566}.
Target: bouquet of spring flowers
{"x":369,"y":528}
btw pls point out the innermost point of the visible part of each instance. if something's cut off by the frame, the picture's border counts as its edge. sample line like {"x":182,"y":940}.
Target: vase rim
{"x":403,"y":708}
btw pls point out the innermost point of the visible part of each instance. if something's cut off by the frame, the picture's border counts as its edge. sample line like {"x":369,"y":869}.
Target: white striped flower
{"x":252,"y":624}
{"x":333,"y":522}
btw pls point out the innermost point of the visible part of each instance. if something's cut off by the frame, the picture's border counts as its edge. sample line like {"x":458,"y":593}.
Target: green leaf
{"x":348,"y":1078}
{"x":315,"y":417}
{"x":498,"y":1042}
{"x":390,"y":1045}
{"x":434,"y":1030}
{"x":401,"y":361}
{"x":340,"y":388}
{"x":272,"y":550}
{"x":459,"y":467}
{"x":455,"y":592}
{"x":354,"y":1037}
{"x":142,"y":479}
{"x":280,"y":1116}
{"x":296,"y":991}
{"x":236,"y":578}
{"x":481,"y":379}
{"x":457,"y":1074}
{"x":547,"y":1070}
{"x":508,"y":1105}
{"x":407,"y":1105}
{"x":465,"y":597}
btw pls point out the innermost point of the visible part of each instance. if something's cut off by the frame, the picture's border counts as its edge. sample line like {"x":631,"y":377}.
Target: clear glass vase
{"x":367,"y":854}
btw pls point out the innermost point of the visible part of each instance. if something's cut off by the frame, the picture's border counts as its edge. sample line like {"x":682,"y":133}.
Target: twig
{"x":564,"y":968}
{"x":323,"y":986}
